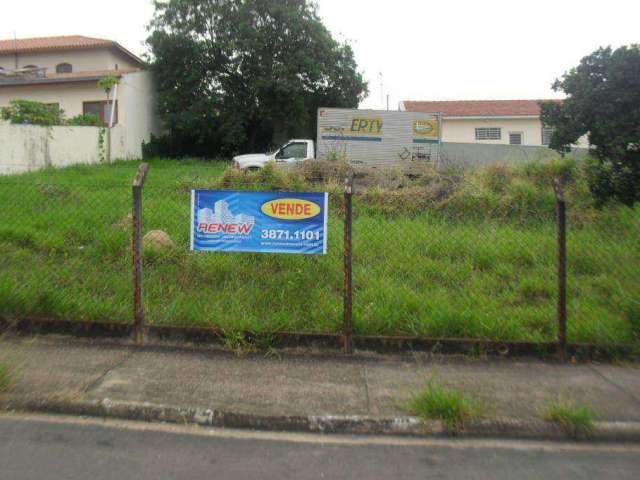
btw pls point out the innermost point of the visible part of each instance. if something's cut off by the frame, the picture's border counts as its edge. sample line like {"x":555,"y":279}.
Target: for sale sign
{"x":270,"y":222}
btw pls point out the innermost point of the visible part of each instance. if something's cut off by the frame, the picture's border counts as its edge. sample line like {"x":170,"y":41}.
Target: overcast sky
{"x":441,"y":50}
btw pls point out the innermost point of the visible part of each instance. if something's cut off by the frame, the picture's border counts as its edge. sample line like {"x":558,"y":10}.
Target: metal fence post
{"x":136,"y":250}
{"x":347,"y":328}
{"x":562,"y":269}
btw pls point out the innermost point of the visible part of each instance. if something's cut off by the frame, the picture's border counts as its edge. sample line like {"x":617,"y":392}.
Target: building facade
{"x":501,"y":122}
{"x":64,"y":71}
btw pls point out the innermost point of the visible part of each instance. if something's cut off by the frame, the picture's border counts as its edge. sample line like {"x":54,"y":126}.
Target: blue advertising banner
{"x":273,"y":222}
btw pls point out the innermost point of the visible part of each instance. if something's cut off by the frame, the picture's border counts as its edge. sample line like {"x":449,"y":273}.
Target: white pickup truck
{"x":292,"y":152}
{"x":373,"y":137}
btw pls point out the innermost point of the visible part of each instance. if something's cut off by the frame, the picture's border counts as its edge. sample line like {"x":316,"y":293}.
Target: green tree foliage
{"x":85,"y":120}
{"x":107,"y":82}
{"x":32,"y":113}
{"x":239,"y":75}
{"x":603,"y":101}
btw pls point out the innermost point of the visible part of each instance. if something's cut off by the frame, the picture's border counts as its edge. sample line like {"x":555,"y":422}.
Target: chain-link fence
{"x":64,"y":247}
{"x":442,"y":254}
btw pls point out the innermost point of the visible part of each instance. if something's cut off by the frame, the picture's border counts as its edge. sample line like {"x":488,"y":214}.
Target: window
{"x":515,"y":138}
{"x":491,"y":133}
{"x":101,"y":109}
{"x":546,"y":135}
{"x":293,"y":150}
{"x":64,"y":68}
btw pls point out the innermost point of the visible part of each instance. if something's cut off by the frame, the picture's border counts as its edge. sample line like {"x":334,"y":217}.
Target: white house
{"x":514,"y":122}
{"x":64,"y":71}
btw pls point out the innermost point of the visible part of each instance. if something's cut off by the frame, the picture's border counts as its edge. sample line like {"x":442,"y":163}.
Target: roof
{"x":66,"y":42}
{"x":65,"y":77}
{"x":477,"y":108}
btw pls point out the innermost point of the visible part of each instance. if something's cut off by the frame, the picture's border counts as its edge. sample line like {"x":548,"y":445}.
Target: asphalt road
{"x":46,"y":447}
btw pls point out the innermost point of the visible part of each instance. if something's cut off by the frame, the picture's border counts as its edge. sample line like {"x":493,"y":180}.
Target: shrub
{"x":85,"y":120}
{"x":497,"y":176}
{"x":452,"y":407}
{"x":269,"y":177}
{"x":28,"y":112}
{"x":542,"y":174}
{"x":523,"y":193}
{"x":322,"y":171}
{"x":336,"y":156}
{"x":618,"y":180}
{"x":576,"y":420}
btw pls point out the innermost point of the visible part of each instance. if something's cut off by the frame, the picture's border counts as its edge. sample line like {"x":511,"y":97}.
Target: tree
{"x":239,"y":75}
{"x":603,"y":101}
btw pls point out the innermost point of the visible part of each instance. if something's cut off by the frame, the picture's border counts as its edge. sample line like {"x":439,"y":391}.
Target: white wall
{"x":81,"y":60}
{"x":462,"y":130}
{"x":138,"y":120}
{"x":69,"y":96}
{"x":26,"y":147}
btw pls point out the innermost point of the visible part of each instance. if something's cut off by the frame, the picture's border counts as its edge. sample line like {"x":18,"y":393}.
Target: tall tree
{"x":603,"y":101}
{"x":236,"y":75}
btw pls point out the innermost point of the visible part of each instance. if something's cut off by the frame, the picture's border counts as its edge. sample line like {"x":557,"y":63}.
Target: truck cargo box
{"x":378,"y":137}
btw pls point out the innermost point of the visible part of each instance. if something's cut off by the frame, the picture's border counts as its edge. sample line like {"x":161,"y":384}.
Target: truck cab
{"x":292,"y":152}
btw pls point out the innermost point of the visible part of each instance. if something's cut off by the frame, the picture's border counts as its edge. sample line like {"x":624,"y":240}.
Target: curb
{"x":505,"y":428}
{"x":327,"y":342}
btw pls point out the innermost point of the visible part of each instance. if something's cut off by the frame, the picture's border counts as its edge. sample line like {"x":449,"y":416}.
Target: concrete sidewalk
{"x":304,"y":392}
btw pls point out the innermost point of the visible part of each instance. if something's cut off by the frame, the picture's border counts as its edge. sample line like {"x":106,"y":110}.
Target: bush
{"x":543,"y":174}
{"x":169,"y":146}
{"x":323,"y":171}
{"x":85,"y":120}
{"x":270,"y":177}
{"x":618,"y":180}
{"x":28,"y":112}
{"x":497,"y":176}
{"x":450,"y":406}
{"x":576,"y":420}
{"x":523,"y":192}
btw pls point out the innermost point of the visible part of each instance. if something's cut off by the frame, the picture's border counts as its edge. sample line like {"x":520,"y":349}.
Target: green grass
{"x":452,"y":407}
{"x":474,"y":264}
{"x":576,"y":420}
{"x":5,"y":378}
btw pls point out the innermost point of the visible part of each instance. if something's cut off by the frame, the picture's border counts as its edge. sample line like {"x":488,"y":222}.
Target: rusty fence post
{"x":136,"y":252}
{"x":347,"y":327}
{"x":561,"y":226}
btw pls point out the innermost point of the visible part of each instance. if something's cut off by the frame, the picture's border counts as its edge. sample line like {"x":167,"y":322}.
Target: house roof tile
{"x":476,"y":108}
{"x":65,"y":42}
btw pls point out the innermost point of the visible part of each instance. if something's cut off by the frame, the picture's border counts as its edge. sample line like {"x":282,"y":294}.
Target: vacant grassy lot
{"x":475,"y":261}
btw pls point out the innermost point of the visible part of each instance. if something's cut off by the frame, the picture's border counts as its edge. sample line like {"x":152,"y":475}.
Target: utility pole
{"x":381,"y":89}
{"x":15,"y":46}
{"x":387,"y":102}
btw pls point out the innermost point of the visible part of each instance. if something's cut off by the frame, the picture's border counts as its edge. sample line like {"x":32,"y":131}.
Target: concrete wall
{"x":81,"y":60}
{"x":136,"y":107}
{"x":26,"y":147}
